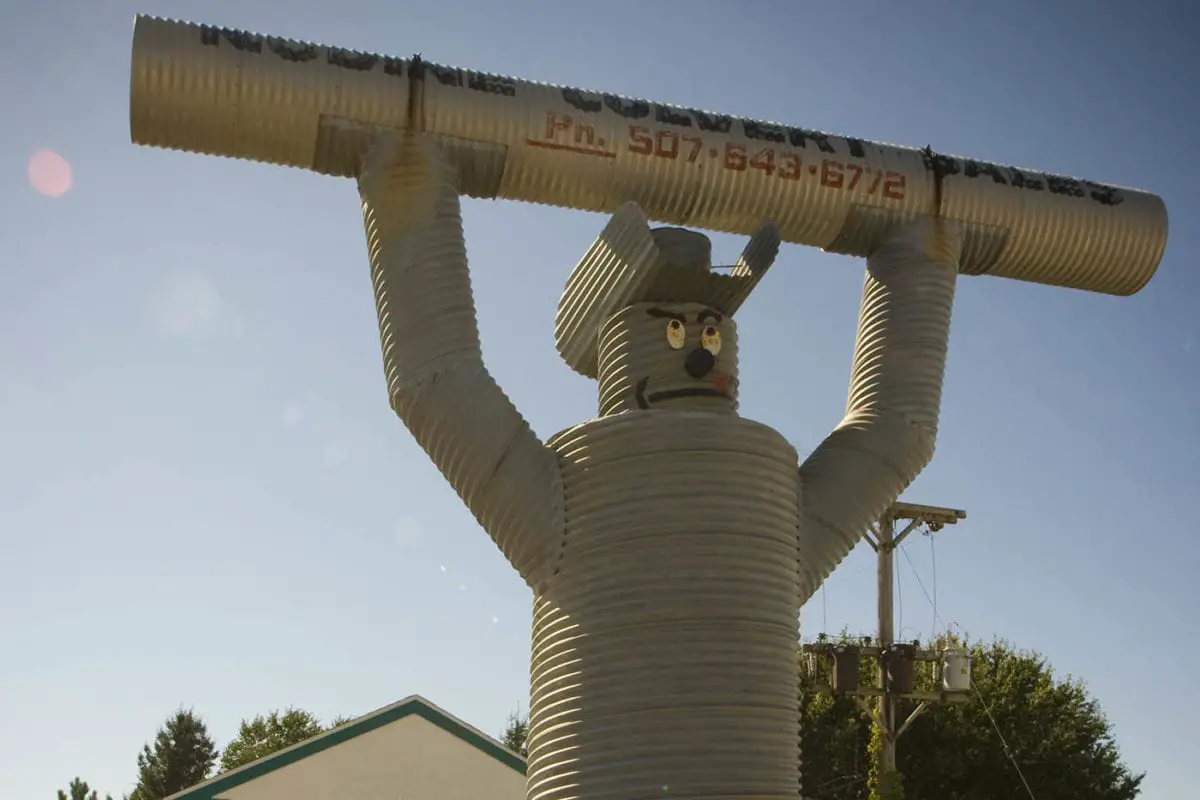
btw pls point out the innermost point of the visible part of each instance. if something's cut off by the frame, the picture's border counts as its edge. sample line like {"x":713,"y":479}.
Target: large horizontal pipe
{"x":232,"y":93}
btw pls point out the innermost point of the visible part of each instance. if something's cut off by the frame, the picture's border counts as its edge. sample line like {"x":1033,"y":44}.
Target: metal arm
{"x":437,"y":382}
{"x":887,"y":436}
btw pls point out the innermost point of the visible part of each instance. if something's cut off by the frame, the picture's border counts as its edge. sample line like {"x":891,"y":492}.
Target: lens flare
{"x":49,"y":173}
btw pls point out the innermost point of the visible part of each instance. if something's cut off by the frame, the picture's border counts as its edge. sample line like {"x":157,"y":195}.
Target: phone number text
{"x":778,"y":162}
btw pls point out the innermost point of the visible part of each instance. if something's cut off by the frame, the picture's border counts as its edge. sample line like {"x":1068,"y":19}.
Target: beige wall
{"x":410,"y":759}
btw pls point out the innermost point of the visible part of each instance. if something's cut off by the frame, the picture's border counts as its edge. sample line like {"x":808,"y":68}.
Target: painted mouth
{"x":646,"y":400}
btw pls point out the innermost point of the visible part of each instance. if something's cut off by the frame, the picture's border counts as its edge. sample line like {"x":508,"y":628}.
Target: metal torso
{"x":666,"y":642}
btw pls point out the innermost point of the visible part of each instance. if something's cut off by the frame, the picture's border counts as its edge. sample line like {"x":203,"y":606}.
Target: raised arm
{"x":436,"y":379}
{"x":887,"y":436}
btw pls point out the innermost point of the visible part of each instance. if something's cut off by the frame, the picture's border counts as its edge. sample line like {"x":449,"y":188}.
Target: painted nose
{"x":699,"y":363}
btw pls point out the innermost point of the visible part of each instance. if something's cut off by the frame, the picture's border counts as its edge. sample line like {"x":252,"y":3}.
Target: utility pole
{"x":895,"y":670}
{"x":885,"y":542}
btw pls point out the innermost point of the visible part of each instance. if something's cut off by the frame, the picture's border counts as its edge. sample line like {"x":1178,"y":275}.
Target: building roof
{"x":416,"y":705}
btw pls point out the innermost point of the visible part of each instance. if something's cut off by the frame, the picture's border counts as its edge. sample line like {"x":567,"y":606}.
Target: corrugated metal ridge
{"x":437,"y":382}
{"x":544,"y":143}
{"x":887,"y":435}
{"x":616,"y":268}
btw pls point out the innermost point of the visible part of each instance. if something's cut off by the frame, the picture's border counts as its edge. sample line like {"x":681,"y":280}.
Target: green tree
{"x":264,"y":735}
{"x":516,"y":732}
{"x":79,"y":790}
{"x":882,"y":785}
{"x":183,"y":755}
{"x":1053,"y":730}
{"x":835,"y":739}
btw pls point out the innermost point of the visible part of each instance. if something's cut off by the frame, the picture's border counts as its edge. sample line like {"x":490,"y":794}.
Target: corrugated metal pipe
{"x":887,"y":435}
{"x":436,"y":378}
{"x":244,"y":95}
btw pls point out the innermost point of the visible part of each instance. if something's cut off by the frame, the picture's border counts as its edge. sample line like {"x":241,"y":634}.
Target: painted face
{"x":668,"y":356}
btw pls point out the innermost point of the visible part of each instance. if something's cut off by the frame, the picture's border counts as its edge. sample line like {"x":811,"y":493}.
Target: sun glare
{"x":49,"y":173}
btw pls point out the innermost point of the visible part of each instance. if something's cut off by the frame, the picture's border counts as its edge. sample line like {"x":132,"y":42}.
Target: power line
{"x":921,"y":583}
{"x":982,"y":701}
{"x":933,"y":561}
{"x":840,"y":781}
{"x":885,"y":541}
{"x":1003,"y":743}
{"x":824,"y":610}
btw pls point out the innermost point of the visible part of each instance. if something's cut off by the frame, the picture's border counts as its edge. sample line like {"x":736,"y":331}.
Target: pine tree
{"x":183,"y":755}
{"x":516,"y":732}
{"x":79,"y":790}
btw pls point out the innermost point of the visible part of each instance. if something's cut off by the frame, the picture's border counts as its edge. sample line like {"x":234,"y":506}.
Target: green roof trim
{"x":415,"y":705}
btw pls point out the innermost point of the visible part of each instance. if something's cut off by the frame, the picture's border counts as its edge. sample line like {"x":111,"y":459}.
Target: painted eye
{"x":710,"y":340}
{"x":676,"y":334}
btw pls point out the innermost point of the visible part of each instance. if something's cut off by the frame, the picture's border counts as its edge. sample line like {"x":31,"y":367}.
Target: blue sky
{"x":205,"y":500}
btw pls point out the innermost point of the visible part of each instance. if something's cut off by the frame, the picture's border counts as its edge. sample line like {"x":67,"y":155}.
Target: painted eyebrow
{"x":708,"y":313}
{"x":658,"y":312}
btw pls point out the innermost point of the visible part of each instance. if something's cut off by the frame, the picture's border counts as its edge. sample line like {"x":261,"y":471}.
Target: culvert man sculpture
{"x":665,"y":540}
{"x":668,"y":542}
